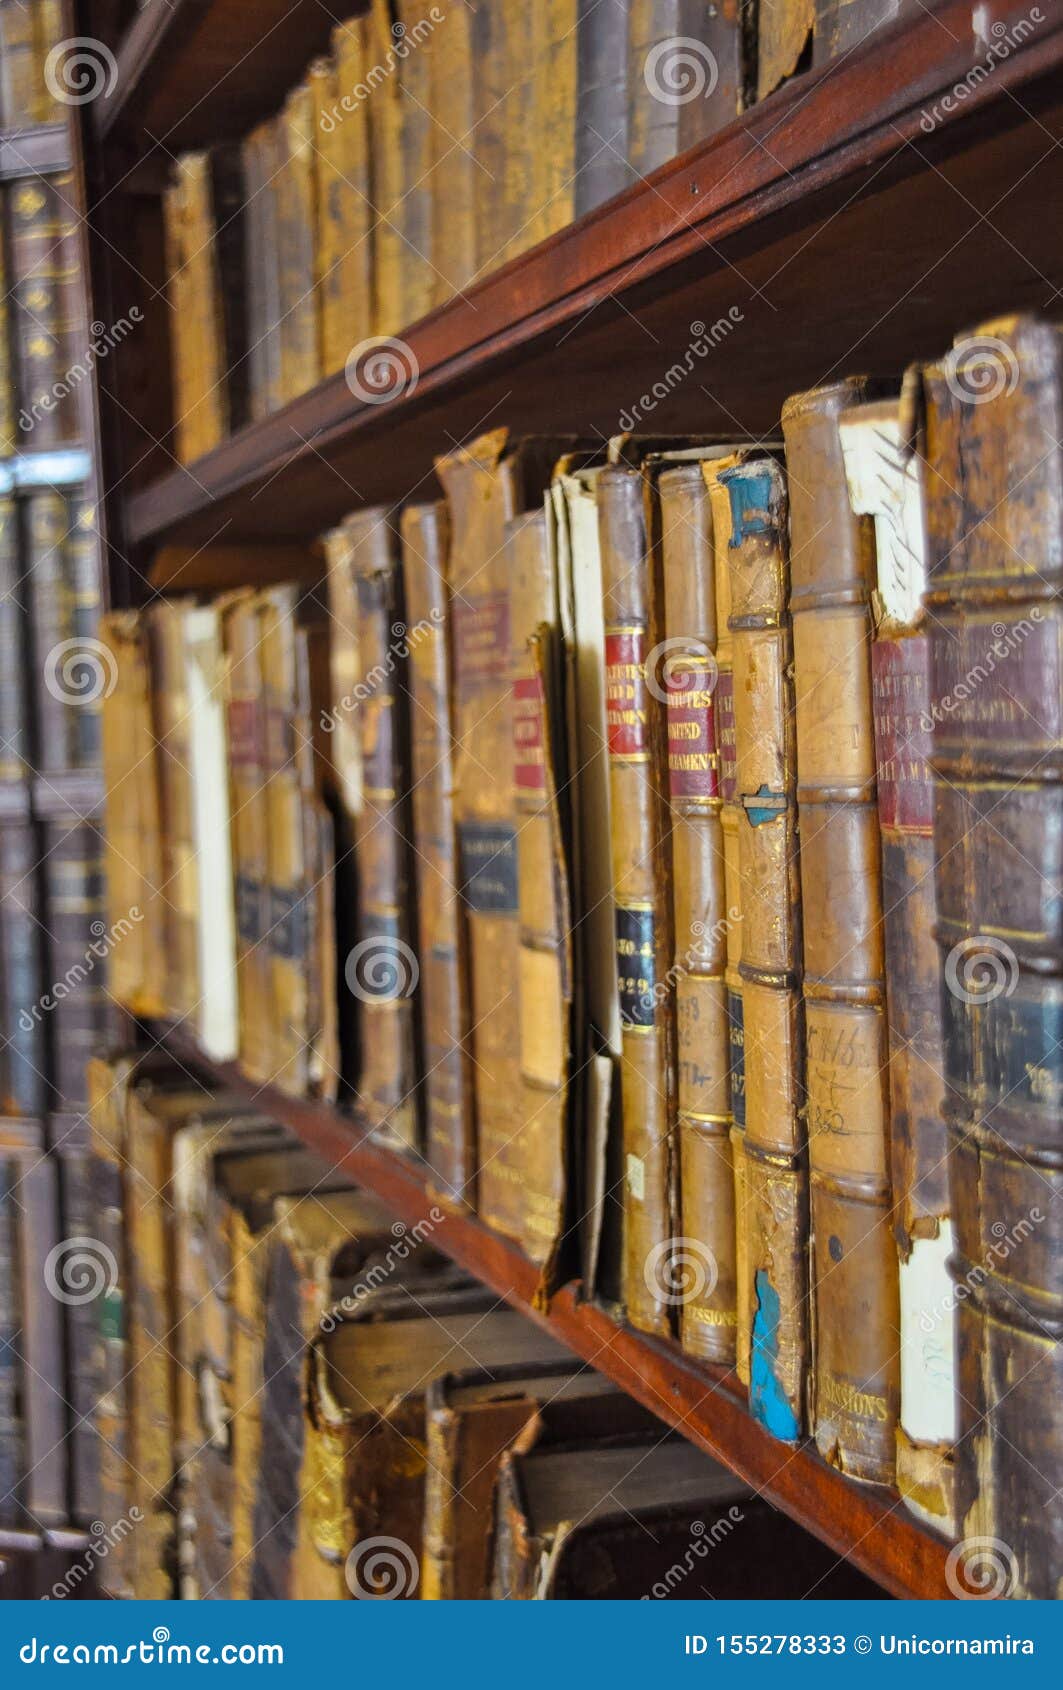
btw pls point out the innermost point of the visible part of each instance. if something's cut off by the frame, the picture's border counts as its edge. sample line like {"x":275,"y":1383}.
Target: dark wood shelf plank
{"x":34,"y":152}
{"x":194,"y":72}
{"x":858,"y":218}
{"x":865,"y":1524}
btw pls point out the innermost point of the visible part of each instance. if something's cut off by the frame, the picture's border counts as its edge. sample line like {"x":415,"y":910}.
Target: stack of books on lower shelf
{"x":700,"y":797}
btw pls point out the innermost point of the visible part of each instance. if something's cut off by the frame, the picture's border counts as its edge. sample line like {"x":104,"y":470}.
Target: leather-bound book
{"x":78,"y":949}
{"x":8,"y":404}
{"x":687,"y":75}
{"x":24,"y":1058}
{"x":841,"y":26}
{"x":215,"y":1019}
{"x":386,"y":112}
{"x":544,"y":986}
{"x":63,"y":565}
{"x":15,"y":750}
{"x":381,"y":970}
{"x":422,"y":286}
{"x":298,"y":217}
{"x":171,"y":719}
{"x":601,"y":159}
{"x":471,"y":1420}
{"x":498,"y":85}
{"x":260,"y":162}
{"x":364,"y":1469}
{"x":450,"y":1144}
{"x":47,"y":313}
{"x":856,"y":1373}
{"x":455,"y":173}
{"x":994,"y":496}
{"x":485,"y":488}
{"x":205,"y":255}
{"x":299,"y":856}
{"x":345,"y":216}
{"x":246,"y":724}
{"x":69,"y":1139}
{"x":885,"y":472}
{"x":133,"y":855}
{"x":774,"y":1166}
{"x":18,"y":65}
{"x":520,"y":203}
{"x":784,"y":36}
{"x":553,"y":186}
{"x":12,"y":1450}
{"x":685,"y":673}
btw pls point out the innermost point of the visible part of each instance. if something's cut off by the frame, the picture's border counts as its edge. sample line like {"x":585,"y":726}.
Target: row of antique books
{"x":669,"y":953}
{"x":300,"y":1397}
{"x":430,"y":147}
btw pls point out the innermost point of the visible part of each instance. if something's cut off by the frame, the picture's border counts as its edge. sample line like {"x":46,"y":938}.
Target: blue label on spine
{"x":737,"y":1038}
{"x":489,"y":867}
{"x":636,"y":966}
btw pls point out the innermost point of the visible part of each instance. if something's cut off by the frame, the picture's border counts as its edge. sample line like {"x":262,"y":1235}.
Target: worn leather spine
{"x":443,"y":984}
{"x":297,"y":245}
{"x":544,"y":899}
{"x":783,"y":31}
{"x":198,"y":361}
{"x":246,"y":724}
{"x":601,"y":161}
{"x":636,"y":737}
{"x":170,"y":718}
{"x":554,"y":71}
{"x":855,"y":1380}
{"x":46,"y":312}
{"x":463,"y":1452}
{"x":15,"y":748}
{"x":686,"y":76}
{"x":18,"y":65}
{"x":775,"y":1169}
{"x":455,"y":175}
{"x":994,"y":499}
{"x":24,"y":1060}
{"x":841,"y":26}
{"x":497,"y":88}
{"x":261,"y":164}
{"x":687,"y":674}
{"x":885,"y":472}
{"x":78,"y":953}
{"x":384,"y":975}
{"x":421,"y":288}
{"x":346,"y":206}
{"x":386,"y":114}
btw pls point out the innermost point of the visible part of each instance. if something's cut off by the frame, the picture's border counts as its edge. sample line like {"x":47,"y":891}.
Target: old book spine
{"x":297,"y":246}
{"x":152,"y":1381}
{"x":464,"y":1452}
{"x":775,"y":1170}
{"x":386,"y":112}
{"x":42,"y":1254}
{"x":78,"y":946}
{"x":841,"y":26}
{"x":173,"y":734}
{"x":216,"y":1009}
{"x":601,"y":155}
{"x":382,"y":969}
{"x":83,"y":1384}
{"x":855,"y":1383}
{"x":520,"y":204}
{"x":24,"y":1062}
{"x":245,"y":1428}
{"x":706,"y":1174}
{"x":12,"y":1430}
{"x":263,"y":275}
{"x":886,"y":482}
{"x":455,"y":175}
{"x":83,"y":569}
{"x":734,"y":904}
{"x":494,"y":85}
{"x":35,"y":252}
{"x":48,"y":31}
{"x":554,"y":57}
{"x":784,"y":30}
{"x":18,"y":67}
{"x":994,"y":498}
{"x":15,"y":749}
{"x":320,"y":858}
{"x":203,"y":422}
{"x":247,"y":770}
{"x":229,"y":276}
{"x":8,"y":397}
{"x":347,"y":286}
{"x":686,"y":76}
{"x":641,"y":868}
{"x":51,"y":613}
{"x":448,"y":1090}
{"x":421,"y":287}
{"x":545,"y":959}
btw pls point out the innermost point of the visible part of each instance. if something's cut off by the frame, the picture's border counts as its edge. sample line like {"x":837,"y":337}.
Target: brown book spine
{"x":545,"y":959}
{"x":386,"y":111}
{"x":18,"y":66}
{"x":172,"y":727}
{"x":263,"y":270}
{"x":552,"y":123}
{"x":450,"y":1147}
{"x":783,"y":31}
{"x":421,"y":283}
{"x":497,"y":86}
{"x":246,"y":713}
{"x":288,"y":937}
{"x":637,"y":768}
{"x":297,"y":245}
{"x":775,"y":1171}
{"x":15,"y":750}
{"x":464,"y":1453}
{"x":455,"y":174}
{"x":199,"y":342}
{"x":686,"y":75}
{"x":687,"y":676}
{"x":855,"y":1383}
{"x":8,"y":393}
{"x":843,"y":25}
{"x":994,"y":502}
{"x":382,"y":969}
{"x":48,"y":31}
{"x":24,"y":1058}
{"x":78,"y":950}
{"x":344,"y":195}
{"x":38,"y":215}
{"x":152,"y":1380}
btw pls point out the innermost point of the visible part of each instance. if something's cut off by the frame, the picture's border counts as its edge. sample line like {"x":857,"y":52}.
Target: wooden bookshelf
{"x":843,"y":233}
{"x":865,"y":1524}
